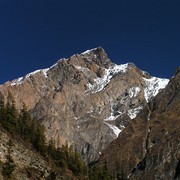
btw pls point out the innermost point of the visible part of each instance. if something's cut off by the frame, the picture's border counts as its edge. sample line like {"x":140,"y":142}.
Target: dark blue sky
{"x":34,"y":34}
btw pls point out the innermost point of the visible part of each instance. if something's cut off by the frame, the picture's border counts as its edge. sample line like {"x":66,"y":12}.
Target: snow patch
{"x":83,"y":69}
{"x":44,"y":71}
{"x":115,"y":129}
{"x":22,"y":79}
{"x":112,"y":116}
{"x":17,"y":81}
{"x":88,"y":51}
{"x":54,"y":65}
{"x":100,"y":83}
{"x":153,"y":86}
{"x":62,"y":59}
{"x":134,"y":91}
{"x":132,"y":113}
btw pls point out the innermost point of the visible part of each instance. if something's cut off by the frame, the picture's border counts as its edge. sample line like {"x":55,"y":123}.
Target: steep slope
{"x":85,"y":100}
{"x":25,"y":162}
{"x":149,"y":147}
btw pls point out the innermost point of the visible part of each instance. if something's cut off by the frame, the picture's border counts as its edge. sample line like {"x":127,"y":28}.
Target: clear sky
{"x":34,"y":34}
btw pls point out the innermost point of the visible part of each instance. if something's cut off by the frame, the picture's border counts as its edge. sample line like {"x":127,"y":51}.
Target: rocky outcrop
{"x":149,"y":147}
{"x":86,"y":100}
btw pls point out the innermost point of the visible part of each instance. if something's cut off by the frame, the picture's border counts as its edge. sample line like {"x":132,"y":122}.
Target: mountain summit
{"x":85,"y":100}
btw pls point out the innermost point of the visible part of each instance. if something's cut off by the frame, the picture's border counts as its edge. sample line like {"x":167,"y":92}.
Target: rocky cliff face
{"x":149,"y":147}
{"x":86,"y":100}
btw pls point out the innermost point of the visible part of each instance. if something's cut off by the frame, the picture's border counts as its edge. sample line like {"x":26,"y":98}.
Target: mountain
{"x":85,"y":100}
{"x":149,"y":146}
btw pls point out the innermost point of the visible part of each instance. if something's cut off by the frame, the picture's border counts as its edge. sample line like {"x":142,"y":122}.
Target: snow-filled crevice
{"x":115,"y":113}
{"x":115,"y":129}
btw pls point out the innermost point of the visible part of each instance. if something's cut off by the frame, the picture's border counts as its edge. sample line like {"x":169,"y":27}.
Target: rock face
{"x":85,"y":100}
{"x":149,"y":147}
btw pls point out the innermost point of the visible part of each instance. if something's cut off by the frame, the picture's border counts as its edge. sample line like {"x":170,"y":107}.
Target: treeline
{"x":23,"y":125}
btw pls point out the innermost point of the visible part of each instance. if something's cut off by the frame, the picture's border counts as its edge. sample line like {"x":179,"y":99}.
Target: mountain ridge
{"x":148,"y":148}
{"x":85,"y":100}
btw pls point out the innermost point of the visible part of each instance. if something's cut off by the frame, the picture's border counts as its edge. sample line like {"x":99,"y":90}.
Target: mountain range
{"x":111,"y":114}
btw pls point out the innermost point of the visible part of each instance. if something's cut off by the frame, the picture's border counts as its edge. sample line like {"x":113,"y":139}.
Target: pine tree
{"x":10,"y":115}
{"x":25,"y":122}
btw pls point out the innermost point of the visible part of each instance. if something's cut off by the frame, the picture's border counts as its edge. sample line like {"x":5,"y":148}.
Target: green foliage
{"x":8,"y":114}
{"x":22,"y":123}
{"x":8,"y":168}
{"x":33,"y":132}
{"x":33,"y":172}
{"x":98,"y":173}
{"x":65,"y":157}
